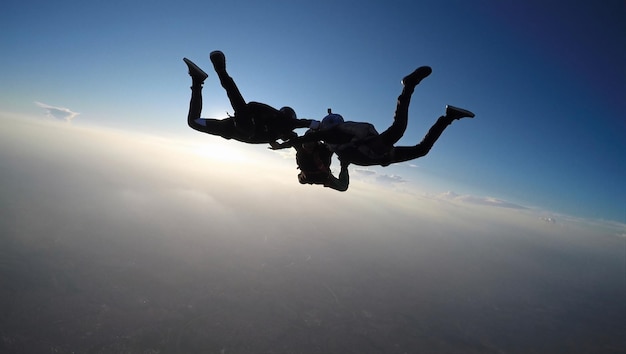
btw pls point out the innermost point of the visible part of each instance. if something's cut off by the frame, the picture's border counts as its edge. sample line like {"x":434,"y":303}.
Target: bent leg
{"x":234,"y":96}
{"x":195,"y":104}
{"x":400,"y":118}
{"x":406,"y":153}
{"x":221,"y":127}
{"x":243,"y":117}
{"x":239,"y":105}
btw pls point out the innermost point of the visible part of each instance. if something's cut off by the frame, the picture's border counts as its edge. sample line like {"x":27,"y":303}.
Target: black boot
{"x":219,"y":61}
{"x":416,"y":76}
{"x":457,"y":113}
{"x":197,"y":75}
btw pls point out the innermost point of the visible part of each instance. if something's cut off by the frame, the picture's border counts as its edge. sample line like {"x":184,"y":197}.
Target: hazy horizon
{"x":115,"y":241}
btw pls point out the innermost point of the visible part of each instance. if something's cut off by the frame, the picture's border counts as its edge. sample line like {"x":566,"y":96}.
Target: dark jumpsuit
{"x":377,"y":149}
{"x":314,"y":165}
{"x":264,"y":123}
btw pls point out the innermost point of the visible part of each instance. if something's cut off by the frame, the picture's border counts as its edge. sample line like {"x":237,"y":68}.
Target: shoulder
{"x":355,"y":126}
{"x":263,"y":106}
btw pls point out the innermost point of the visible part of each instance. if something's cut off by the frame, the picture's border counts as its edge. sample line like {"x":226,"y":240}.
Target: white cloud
{"x":548,"y":219}
{"x":60,"y":113}
{"x":364,"y":172}
{"x":374,"y":176}
{"x":479,"y":200}
{"x":390,"y":179}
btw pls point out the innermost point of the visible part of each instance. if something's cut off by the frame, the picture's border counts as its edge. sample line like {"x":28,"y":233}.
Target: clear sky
{"x":546,"y":80}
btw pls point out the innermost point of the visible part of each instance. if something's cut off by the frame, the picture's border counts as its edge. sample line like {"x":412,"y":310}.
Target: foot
{"x":197,"y":74}
{"x":457,"y":113}
{"x":415,"y":77}
{"x":219,"y":60}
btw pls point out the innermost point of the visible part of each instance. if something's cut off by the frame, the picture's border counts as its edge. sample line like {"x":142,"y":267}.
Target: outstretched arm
{"x":304,"y":123}
{"x":311,"y":137}
{"x":341,"y":183}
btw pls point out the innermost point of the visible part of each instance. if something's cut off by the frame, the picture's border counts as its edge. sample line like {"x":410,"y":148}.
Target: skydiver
{"x":252,"y":122}
{"x":314,"y":159}
{"x":359,"y":142}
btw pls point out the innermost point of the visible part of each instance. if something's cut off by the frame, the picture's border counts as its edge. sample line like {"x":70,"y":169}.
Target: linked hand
{"x":276,"y":146}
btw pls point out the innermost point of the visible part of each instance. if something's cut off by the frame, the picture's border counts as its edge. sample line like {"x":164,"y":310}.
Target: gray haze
{"x":114,"y":243}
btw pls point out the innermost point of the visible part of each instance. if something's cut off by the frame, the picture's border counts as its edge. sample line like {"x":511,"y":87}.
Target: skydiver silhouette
{"x":314,"y":159}
{"x":252,"y":122}
{"x":359,"y":142}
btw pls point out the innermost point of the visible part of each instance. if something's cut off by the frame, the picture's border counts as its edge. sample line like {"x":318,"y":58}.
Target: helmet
{"x":289,"y":112}
{"x":331,"y":120}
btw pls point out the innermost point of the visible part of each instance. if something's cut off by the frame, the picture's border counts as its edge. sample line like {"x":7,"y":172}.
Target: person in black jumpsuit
{"x":359,"y":142}
{"x":313,"y":160}
{"x":252,"y":122}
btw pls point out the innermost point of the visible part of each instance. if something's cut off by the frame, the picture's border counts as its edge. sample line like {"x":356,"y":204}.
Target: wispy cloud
{"x":548,"y":219}
{"x":378,"y":177}
{"x":479,"y":200}
{"x":59,"y":113}
{"x":384,"y":178}
{"x":364,"y":172}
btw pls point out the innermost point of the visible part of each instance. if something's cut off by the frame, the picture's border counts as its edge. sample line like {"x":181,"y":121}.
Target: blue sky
{"x":546,"y":80}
